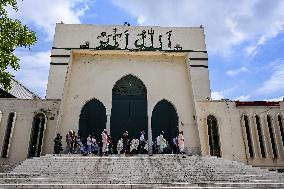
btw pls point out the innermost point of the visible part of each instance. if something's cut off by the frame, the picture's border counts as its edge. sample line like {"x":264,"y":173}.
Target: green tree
{"x":12,"y":35}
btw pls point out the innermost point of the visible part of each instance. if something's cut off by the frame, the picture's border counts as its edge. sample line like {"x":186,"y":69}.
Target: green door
{"x":164,"y":118}
{"x":92,"y":119}
{"x":129,"y":108}
{"x":37,"y":135}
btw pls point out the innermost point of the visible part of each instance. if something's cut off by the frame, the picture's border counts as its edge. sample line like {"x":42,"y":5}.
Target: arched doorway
{"x":129,"y":108}
{"x":213,"y":135}
{"x":37,"y":133}
{"x":164,"y":118}
{"x":92,"y":119}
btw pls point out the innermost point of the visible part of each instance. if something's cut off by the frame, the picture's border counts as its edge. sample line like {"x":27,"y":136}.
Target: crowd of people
{"x":104,"y":146}
{"x":89,"y":145}
{"x":174,"y":146}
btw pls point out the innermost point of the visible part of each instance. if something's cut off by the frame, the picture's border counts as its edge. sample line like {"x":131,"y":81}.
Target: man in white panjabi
{"x":119,"y":146}
{"x":105,"y":142}
{"x":181,"y":142}
{"x":162,"y":142}
{"x":158,"y":144}
{"x":141,"y":142}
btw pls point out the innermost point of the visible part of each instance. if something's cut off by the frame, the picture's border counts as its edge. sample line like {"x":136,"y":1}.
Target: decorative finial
{"x":126,"y":24}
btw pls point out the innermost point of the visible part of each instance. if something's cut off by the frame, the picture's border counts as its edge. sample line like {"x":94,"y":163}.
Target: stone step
{"x":141,"y":171}
{"x":144,"y":186}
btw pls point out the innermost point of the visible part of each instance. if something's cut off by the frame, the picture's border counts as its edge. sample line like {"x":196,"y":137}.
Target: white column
{"x":150,"y":150}
{"x":108,"y":123}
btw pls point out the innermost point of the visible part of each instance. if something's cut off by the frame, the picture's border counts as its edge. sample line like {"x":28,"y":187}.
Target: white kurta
{"x":181,"y":142}
{"x":163,"y":143}
{"x":105,"y":142}
{"x":89,"y":141}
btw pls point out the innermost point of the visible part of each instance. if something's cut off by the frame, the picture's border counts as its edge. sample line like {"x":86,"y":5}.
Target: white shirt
{"x":104,"y":138}
{"x":94,"y":140}
{"x":142,"y":138}
{"x":158,"y":140}
{"x":89,"y":141}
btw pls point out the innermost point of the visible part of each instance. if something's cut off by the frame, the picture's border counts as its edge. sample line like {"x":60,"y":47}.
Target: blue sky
{"x":244,"y":38}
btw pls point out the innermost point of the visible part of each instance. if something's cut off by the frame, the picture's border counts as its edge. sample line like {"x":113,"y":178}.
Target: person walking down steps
{"x":181,"y":142}
{"x":105,"y":142}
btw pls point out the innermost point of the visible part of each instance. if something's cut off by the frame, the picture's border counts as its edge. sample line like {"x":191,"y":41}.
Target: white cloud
{"x":275,"y":99}
{"x":44,"y":14}
{"x":34,"y":70}
{"x":217,"y":95}
{"x":237,"y":71}
{"x":273,"y":32}
{"x":275,"y":83}
{"x":227,"y":23}
{"x":243,"y":97}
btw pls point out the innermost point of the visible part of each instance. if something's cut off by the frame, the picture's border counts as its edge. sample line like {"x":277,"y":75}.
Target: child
{"x":81,"y":146}
{"x":95,"y":146}
{"x":89,"y":144}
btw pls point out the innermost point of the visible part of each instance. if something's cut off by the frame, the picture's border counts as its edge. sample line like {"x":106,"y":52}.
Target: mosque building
{"x":138,"y":78}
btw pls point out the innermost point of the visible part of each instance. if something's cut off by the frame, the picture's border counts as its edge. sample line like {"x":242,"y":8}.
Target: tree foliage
{"x":12,"y":35}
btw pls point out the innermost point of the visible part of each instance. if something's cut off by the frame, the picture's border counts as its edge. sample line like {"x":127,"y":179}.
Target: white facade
{"x":233,"y":135}
{"x":71,"y":36}
{"x":178,"y":75}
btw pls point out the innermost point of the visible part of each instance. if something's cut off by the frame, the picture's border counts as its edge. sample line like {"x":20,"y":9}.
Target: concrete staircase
{"x":141,"y":171}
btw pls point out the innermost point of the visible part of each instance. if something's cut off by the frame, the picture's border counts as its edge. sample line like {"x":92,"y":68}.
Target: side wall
{"x":233,"y":138}
{"x":20,"y":135}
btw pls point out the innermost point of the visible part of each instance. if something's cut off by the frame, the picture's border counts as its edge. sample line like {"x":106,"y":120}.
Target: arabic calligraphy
{"x":143,"y":42}
{"x":169,"y":38}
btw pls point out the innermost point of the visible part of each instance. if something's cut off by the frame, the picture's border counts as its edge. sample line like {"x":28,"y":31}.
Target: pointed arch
{"x":213,"y":135}
{"x":164,"y":118}
{"x":129,"y":85}
{"x":129,"y":107}
{"x":92,"y":119}
{"x":37,"y":134}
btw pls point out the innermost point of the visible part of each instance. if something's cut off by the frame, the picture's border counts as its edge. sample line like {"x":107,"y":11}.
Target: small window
{"x":0,"y":117}
{"x":247,"y":127}
{"x":213,"y":135}
{"x":271,"y":135}
{"x":280,"y":123}
{"x":37,"y":134}
{"x":9,"y":128}
{"x":260,"y":136}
